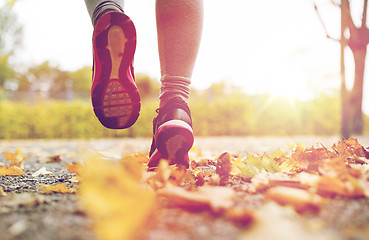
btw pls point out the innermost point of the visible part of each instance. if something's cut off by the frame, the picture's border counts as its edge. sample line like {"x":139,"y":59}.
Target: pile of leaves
{"x":305,"y":179}
{"x":122,"y":196}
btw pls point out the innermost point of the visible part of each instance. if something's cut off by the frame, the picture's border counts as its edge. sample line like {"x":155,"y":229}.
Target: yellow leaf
{"x":11,"y":171}
{"x":134,"y":163}
{"x":14,"y":157}
{"x":58,"y":188}
{"x":75,"y":179}
{"x":161,"y":177}
{"x":277,"y":154}
{"x":114,"y":199}
{"x":236,"y":165}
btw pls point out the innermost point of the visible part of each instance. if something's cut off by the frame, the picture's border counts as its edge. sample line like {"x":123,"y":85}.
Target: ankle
{"x":105,"y":7}
{"x":173,"y":87}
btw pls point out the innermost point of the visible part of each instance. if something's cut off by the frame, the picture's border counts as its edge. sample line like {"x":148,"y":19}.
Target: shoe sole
{"x":173,"y":140}
{"x":115,"y":98}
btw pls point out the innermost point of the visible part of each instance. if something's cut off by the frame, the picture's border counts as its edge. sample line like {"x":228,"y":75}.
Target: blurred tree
{"x":147,"y":86}
{"x":46,"y":79}
{"x":357,"y":39}
{"x":10,"y":40}
{"x":82,"y":79}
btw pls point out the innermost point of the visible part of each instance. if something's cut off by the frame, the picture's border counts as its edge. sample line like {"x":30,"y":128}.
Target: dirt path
{"x":27,"y":213}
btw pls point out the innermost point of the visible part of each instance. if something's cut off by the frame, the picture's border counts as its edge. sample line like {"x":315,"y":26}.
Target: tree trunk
{"x":357,"y":90}
{"x":345,"y":110}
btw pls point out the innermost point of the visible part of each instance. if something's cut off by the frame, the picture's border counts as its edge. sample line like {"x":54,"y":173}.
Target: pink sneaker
{"x":114,"y":93}
{"x":173,"y":134}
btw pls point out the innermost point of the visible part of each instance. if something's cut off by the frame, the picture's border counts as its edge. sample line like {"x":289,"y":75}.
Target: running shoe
{"x":114,"y":93}
{"x":172,"y":134}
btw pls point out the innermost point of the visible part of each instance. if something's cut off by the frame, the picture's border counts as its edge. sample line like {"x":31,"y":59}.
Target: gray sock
{"x":104,"y":7}
{"x":175,"y":86}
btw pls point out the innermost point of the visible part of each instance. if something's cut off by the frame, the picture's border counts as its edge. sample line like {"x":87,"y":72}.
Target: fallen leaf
{"x":282,"y":223}
{"x":331,"y":186}
{"x":16,"y":166}
{"x":284,"y":180}
{"x":75,"y":179}
{"x":75,"y":168}
{"x":236,"y":165}
{"x":18,"y":227}
{"x":134,"y":164}
{"x":173,"y":174}
{"x":206,"y":197}
{"x":57,"y":188}
{"x":11,"y":171}
{"x":161,"y":177}
{"x":41,"y":171}
{"x":224,"y":166}
{"x":300,"y":199}
{"x":15,"y":157}
{"x":241,"y":216}
{"x":2,"y":193}
{"x":118,"y":204}
{"x":24,"y":200}
{"x":55,"y":158}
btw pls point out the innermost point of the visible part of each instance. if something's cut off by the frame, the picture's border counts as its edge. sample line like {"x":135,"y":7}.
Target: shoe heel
{"x":173,"y":140}
{"x":115,"y":97}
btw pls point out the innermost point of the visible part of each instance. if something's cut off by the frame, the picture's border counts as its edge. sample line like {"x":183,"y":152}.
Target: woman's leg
{"x":179,"y":27}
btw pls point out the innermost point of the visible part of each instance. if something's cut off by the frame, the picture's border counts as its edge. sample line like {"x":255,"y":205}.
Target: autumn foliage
{"x":122,"y":198}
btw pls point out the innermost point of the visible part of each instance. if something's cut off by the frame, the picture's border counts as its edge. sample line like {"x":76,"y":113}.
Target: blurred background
{"x":288,"y":67}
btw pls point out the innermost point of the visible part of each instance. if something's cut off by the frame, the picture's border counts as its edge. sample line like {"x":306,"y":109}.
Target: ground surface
{"x":28,"y":213}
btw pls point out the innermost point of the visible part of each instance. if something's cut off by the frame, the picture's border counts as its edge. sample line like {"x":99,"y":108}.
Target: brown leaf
{"x":224,"y":166}
{"x":244,"y":217}
{"x":55,"y":158}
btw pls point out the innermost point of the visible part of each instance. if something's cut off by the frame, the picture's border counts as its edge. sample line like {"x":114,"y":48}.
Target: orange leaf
{"x":14,"y":157}
{"x":300,"y":199}
{"x":215,"y":198}
{"x":75,"y":168}
{"x":332,"y":186}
